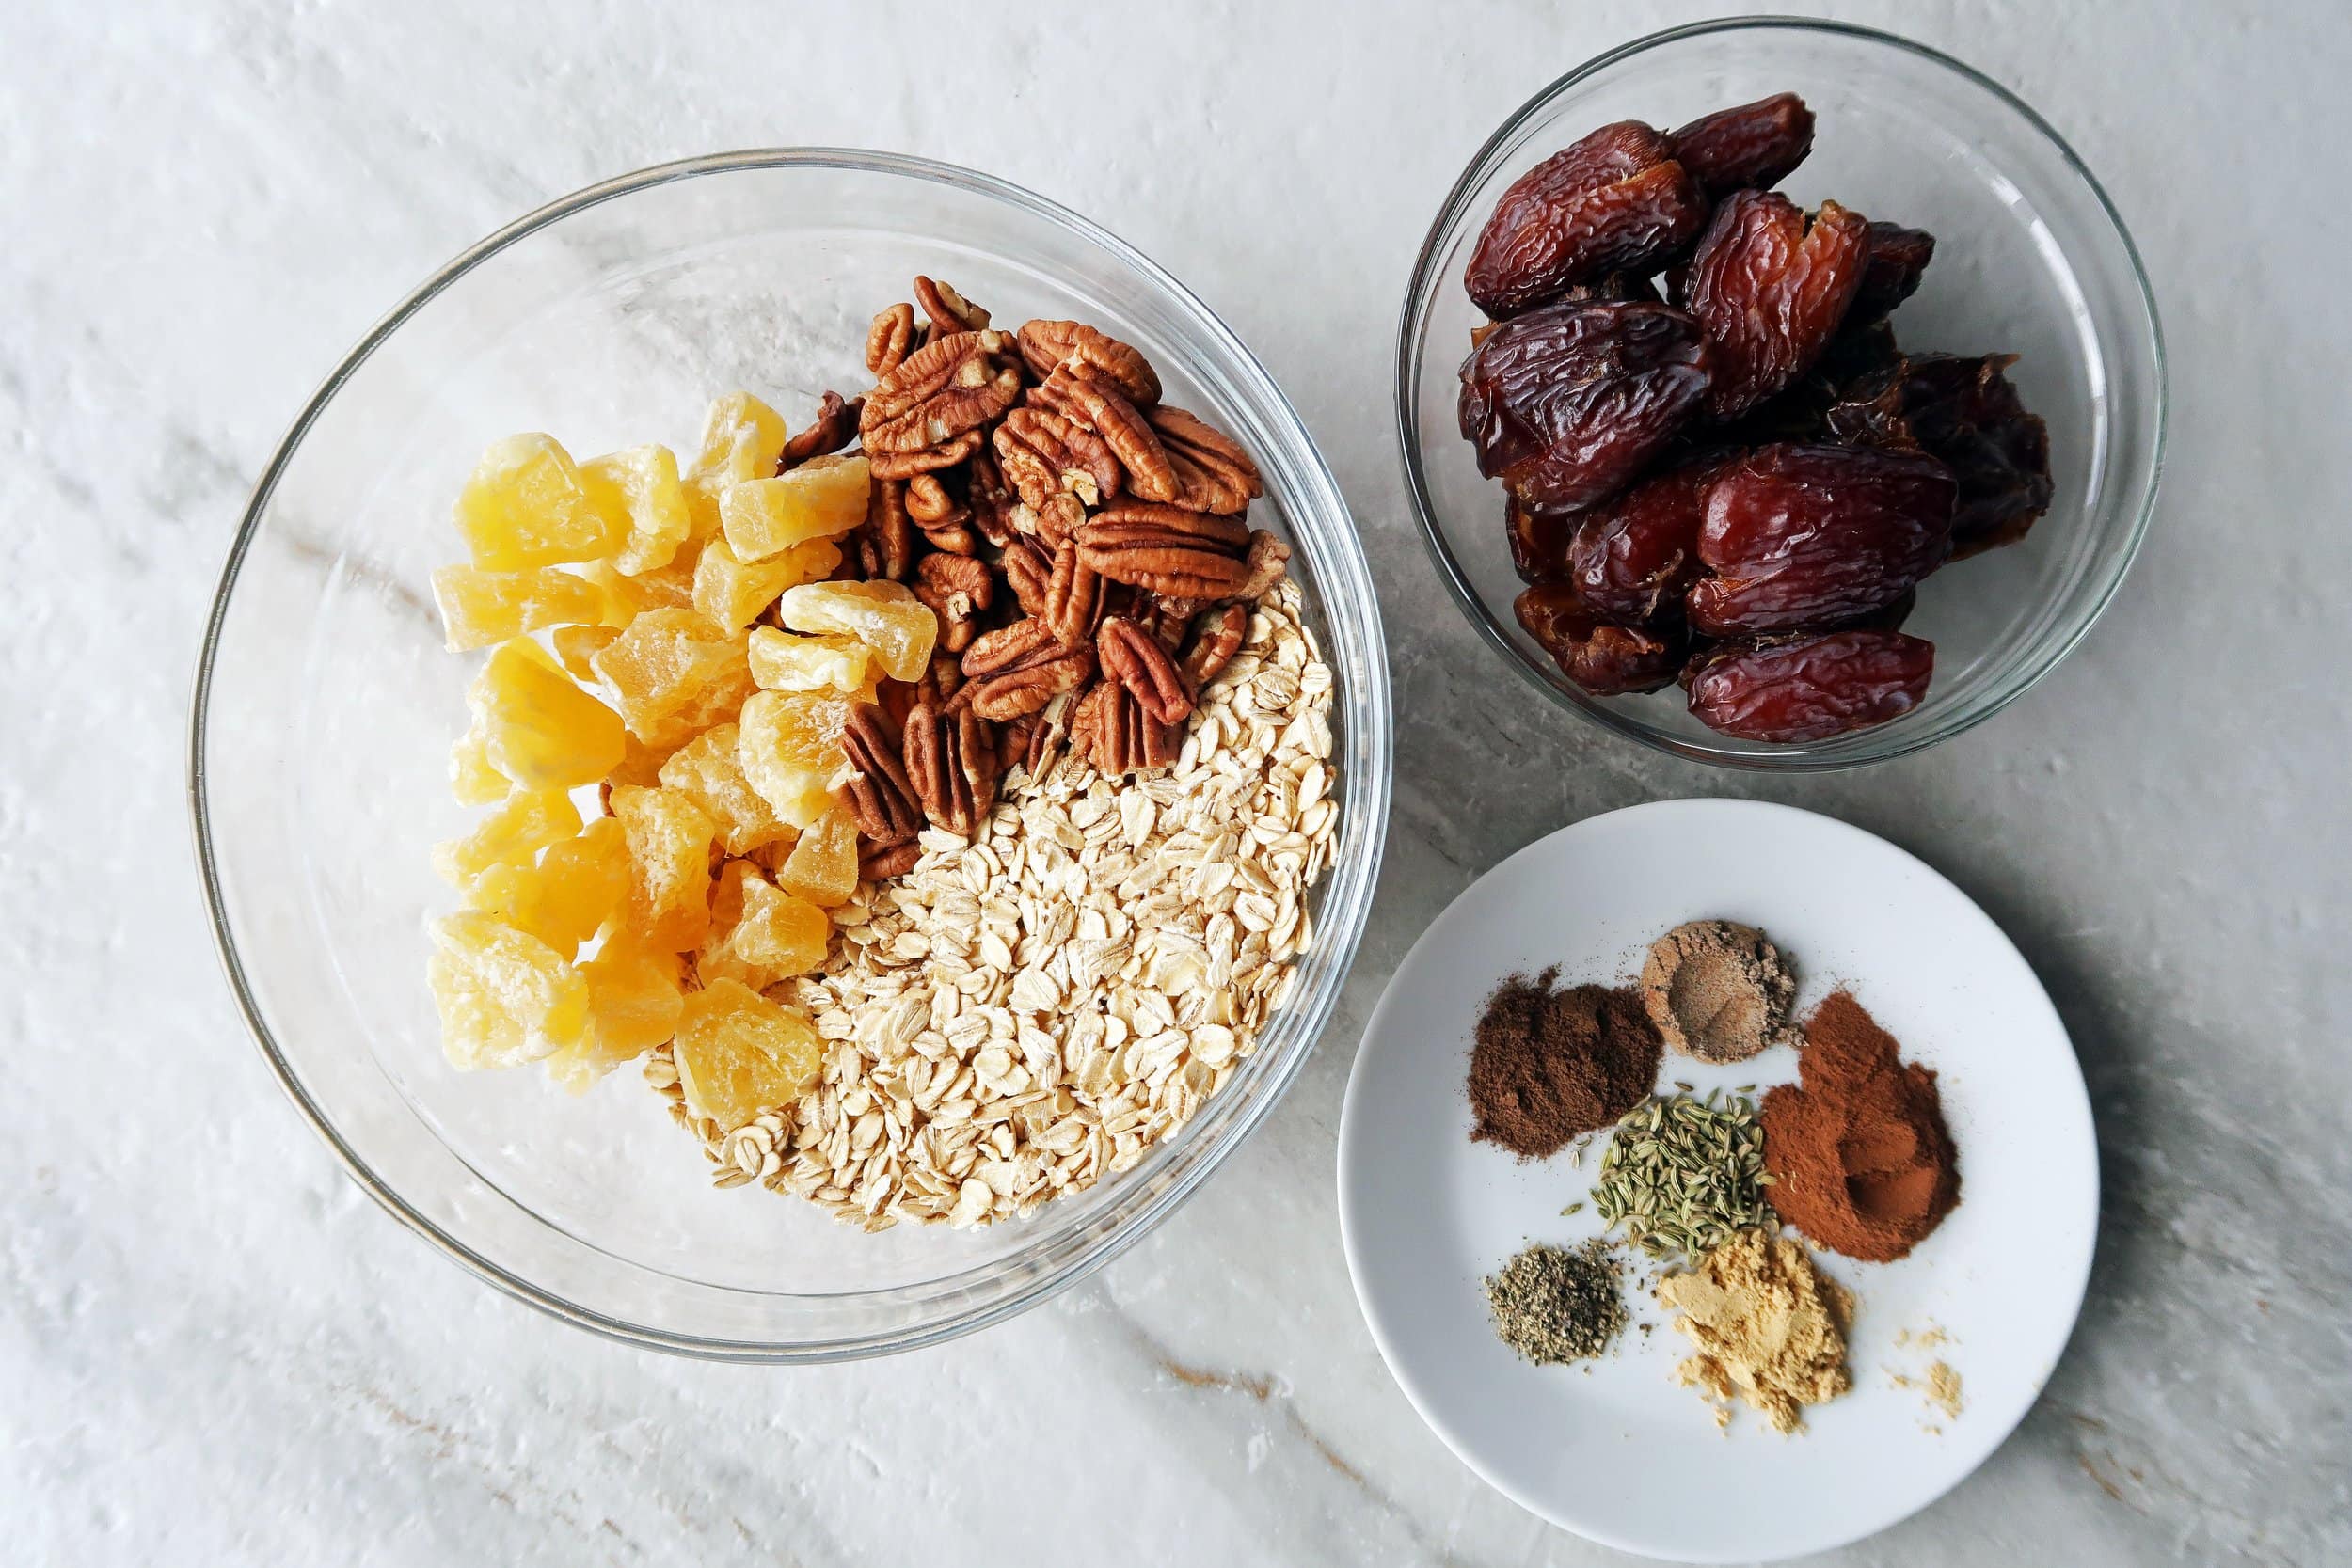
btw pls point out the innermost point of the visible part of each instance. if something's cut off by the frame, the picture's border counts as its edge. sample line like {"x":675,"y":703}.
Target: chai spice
{"x":1860,"y":1158}
{"x":1551,"y":1063}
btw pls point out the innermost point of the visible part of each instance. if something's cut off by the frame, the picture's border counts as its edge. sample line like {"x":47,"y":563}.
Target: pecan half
{"x":929,"y":505}
{"x":1098,"y":404}
{"x":1111,"y":730}
{"x":1009,"y":647}
{"x":1020,"y":668}
{"x":1045,"y":454}
{"x":991,"y":498}
{"x":956,"y":588}
{"x":949,"y":312}
{"x":1141,"y":663}
{"x":884,"y":543}
{"x":834,"y":426}
{"x":951,"y":761}
{"x":1060,"y":519}
{"x":1166,"y":549}
{"x":1212,"y":472}
{"x":881,"y":794}
{"x":1028,"y":572}
{"x":953,"y":538}
{"x":1266,"y":561}
{"x":941,"y":679}
{"x":881,"y":864}
{"x":947,"y":386}
{"x":1074,"y":596}
{"x":890,"y":339}
{"x":1046,"y":345}
{"x":1215,"y":641}
{"x":924,"y":460}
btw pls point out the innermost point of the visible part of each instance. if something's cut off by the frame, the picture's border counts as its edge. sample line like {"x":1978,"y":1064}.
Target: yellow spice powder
{"x":1764,"y":1326}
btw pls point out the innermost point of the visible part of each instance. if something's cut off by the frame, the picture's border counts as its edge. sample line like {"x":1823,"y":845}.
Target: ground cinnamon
{"x":1860,"y":1158}
{"x":1550,"y":1064}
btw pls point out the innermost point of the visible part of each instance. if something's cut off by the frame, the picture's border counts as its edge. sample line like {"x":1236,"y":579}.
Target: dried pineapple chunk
{"x":774,"y":935}
{"x":662,"y":661}
{"x":670,"y":587}
{"x":539,"y":728}
{"x":577,"y":886}
{"x":669,"y":849}
{"x":823,"y":868}
{"x":708,"y":770}
{"x":526,"y":506}
{"x":480,"y":609}
{"x":885,"y":616}
{"x":790,"y":743}
{"x":715,"y":704}
{"x":782,"y":661}
{"x":634,"y":1001}
{"x":732,"y":594}
{"x":505,"y":996}
{"x":523,"y":824}
{"x":640,"y":486}
{"x":576,"y":648}
{"x":472,"y":779}
{"x":738,"y":1054}
{"x":822,"y":498}
{"x":742,"y":439}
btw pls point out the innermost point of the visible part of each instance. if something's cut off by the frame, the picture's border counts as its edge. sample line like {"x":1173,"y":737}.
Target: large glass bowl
{"x":2030,"y":259}
{"x":324,"y":709}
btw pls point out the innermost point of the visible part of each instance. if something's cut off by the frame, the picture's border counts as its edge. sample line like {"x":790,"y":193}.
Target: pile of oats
{"x":1031,"y":1009}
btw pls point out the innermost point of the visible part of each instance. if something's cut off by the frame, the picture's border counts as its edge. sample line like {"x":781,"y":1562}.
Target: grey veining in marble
{"x":214,"y":1350}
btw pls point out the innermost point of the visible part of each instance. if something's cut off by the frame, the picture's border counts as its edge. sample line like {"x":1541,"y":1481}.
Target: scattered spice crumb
{"x":1939,"y":1387}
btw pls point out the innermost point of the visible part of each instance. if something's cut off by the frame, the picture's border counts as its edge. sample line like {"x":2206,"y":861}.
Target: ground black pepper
{"x":1552,"y":1304}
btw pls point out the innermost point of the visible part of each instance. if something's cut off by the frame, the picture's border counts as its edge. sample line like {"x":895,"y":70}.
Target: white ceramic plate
{"x":1618,"y":1452}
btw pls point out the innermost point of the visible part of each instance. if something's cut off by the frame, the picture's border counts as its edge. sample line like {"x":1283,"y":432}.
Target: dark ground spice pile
{"x":1551,"y":1064}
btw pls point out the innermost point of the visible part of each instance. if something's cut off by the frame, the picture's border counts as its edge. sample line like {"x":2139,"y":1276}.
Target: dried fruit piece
{"x":784,"y":661}
{"x":1540,"y":539}
{"x":526,"y":506}
{"x":790,"y":743}
{"x":822,"y":498}
{"x":523,"y":824}
{"x":885,"y":616}
{"x":666,"y":660}
{"x":1606,"y":661}
{"x":1569,"y":403}
{"x":1964,"y":412}
{"x":1808,"y":536}
{"x":1615,"y":201}
{"x":1771,"y":289}
{"x":1799,"y":411}
{"x":774,"y":935}
{"x":480,"y":609}
{"x":1632,"y":557}
{"x":708,"y":770}
{"x":471,"y":778}
{"x":738,"y":1054}
{"x":538,"y":728}
{"x":576,"y":647}
{"x":640,"y":486}
{"x":505,"y":996}
{"x":669,"y":850}
{"x":1899,"y":259}
{"x":743,"y":439}
{"x":732,"y":594}
{"x":634,"y":1003}
{"x":1811,"y":688}
{"x":1754,"y":146}
{"x":563,"y":900}
{"x":823,"y":868}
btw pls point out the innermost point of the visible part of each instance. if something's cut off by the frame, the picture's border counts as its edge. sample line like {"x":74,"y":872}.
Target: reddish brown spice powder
{"x":1860,"y":1157}
{"x":1550,"y":1065}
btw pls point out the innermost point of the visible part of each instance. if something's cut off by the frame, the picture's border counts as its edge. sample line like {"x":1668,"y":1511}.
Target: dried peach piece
{"x":738,"y":1054}
{"x":505,"y":996}
{"x":526,"y":506}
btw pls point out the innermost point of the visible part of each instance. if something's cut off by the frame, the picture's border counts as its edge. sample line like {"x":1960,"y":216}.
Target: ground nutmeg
{"x":1551,"y":1063}
{"x":1860,"y":1157}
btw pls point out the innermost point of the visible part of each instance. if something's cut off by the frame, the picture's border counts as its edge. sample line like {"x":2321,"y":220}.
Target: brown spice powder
{"x":1550,"y":1065}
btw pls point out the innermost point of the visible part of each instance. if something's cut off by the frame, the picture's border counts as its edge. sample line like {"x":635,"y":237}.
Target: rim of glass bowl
{"x":1345,"y":591}
{"x":1420,"y":295}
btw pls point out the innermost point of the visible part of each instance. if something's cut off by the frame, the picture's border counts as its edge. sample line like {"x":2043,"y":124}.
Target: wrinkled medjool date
{"x":1606,"y":661}
{"x":1899,"y":257}
{"x":1799,"y":411}
{"x":1810,"y":688}
{"x":1805,"y":536}
{"x":1540,"y":539}
{"x":1754,"y":146}
{"x":1634,"y":555}
{"x":1964,"y":412}
{"x":1567,"y":404}
{"x":1770,"y":289}
{"x":1615,"y":201}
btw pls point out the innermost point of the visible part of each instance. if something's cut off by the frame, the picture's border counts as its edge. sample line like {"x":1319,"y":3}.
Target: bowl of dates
{"x":1780,"y":395}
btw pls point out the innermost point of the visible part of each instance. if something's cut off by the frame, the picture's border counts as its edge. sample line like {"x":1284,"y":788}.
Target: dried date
{"x":1811,"y":688}
{"x":1615,"y":201}
{"x":1540,"y":539}
{"x":1754,"y":146}
{"x":1805,"y":536}
{"x":1567,"y":404}
{"x":1899,"y":257}
{"x":1636,"y":556}
{"x":1964,"y":412}
{"x":1605,"y":661}
{"x":1771,"y":289}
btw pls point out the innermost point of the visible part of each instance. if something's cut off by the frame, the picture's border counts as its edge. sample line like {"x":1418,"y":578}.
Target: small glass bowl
{"x":2031,"y":260}
{"x":325,"y":710}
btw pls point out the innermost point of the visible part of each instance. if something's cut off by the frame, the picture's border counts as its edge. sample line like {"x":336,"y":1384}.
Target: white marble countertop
{"x":213,"y":1349}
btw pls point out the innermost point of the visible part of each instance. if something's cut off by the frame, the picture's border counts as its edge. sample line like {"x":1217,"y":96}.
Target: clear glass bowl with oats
{"x":326,"y":706}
